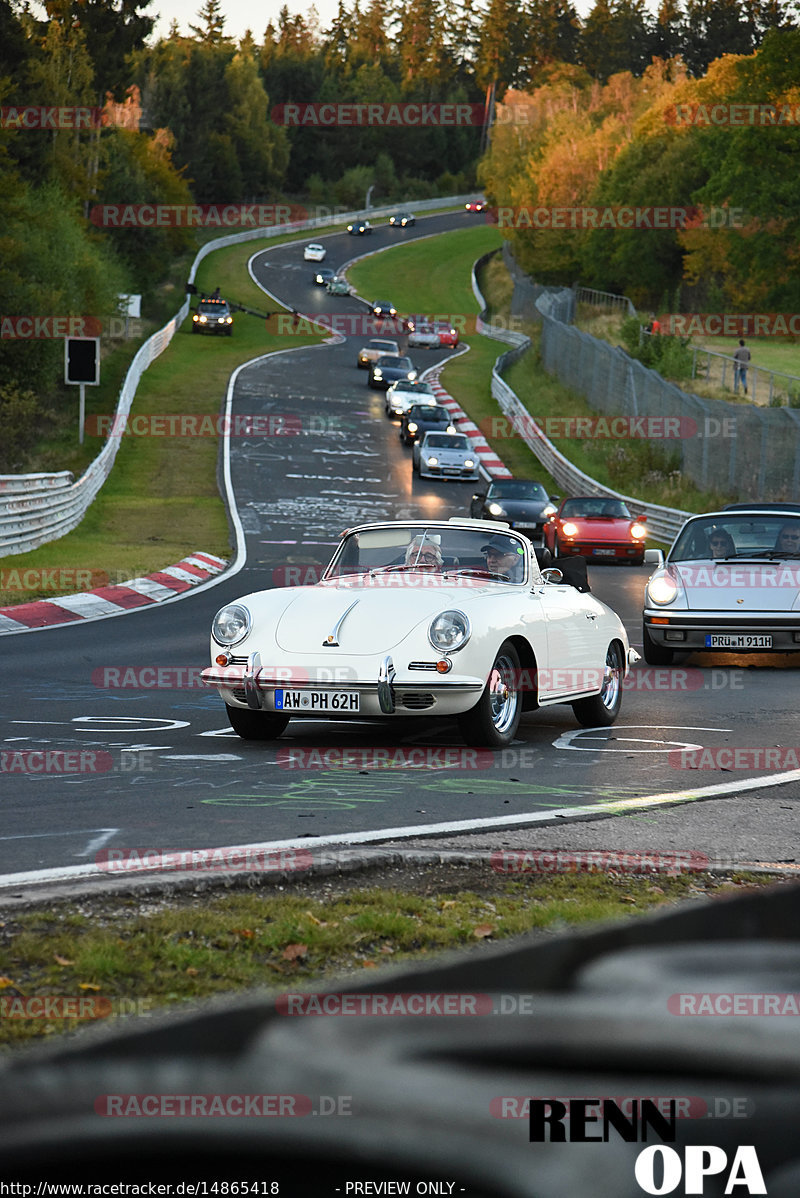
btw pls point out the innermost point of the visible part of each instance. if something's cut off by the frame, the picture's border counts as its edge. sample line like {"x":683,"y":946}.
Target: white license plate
{"x":307,"y":701}
{"x":737,"y":640}
{"x":605,"y":552}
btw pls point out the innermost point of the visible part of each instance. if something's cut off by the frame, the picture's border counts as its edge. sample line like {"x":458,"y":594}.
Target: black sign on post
{"x":82,"y":367}
{"x":82,"y":360}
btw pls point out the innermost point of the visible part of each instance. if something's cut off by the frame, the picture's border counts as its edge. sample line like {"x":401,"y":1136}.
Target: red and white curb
{"x":487,"y":457}
{"x":112,"y":600}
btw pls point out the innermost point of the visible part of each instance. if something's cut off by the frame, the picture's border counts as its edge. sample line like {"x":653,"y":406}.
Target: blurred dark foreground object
{"x":599,"y":1019}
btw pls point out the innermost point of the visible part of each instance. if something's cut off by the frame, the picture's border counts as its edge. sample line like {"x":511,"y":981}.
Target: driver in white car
{"x":425,"y":553}
{"x":502,"y":557}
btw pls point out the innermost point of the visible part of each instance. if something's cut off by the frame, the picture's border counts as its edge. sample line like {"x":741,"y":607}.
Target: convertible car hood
{"x":755,"y":586}
{"x":387,"y":608}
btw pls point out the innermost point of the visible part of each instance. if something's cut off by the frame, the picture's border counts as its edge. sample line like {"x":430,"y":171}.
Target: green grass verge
{"x":139,"y":956}
{"x":161,"y":500}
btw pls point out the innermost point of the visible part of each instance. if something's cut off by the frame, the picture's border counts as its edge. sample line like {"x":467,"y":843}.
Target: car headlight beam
{"x":662,"y":589}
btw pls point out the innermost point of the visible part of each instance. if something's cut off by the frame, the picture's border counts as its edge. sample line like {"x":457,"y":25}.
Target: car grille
{"x":414,"y":701}
{"x":239,"y":693}
{"x":422,"y":665}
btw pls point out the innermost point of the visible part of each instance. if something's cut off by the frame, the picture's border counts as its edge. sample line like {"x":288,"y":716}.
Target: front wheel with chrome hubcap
{"x":494,"y":719}
{"x":603,"y":709}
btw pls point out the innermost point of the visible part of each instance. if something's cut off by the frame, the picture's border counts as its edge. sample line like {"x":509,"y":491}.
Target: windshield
{"x":445,"y":441}
{"x":438,"y":548}
{"x":423,"y":412}
{"x":395,"y":363}
{"x":611,"y":508}
{"x":729,"y":535}
{"x":417,"y":388}
{"x":517,"y":489}
{"x":386,"y":347}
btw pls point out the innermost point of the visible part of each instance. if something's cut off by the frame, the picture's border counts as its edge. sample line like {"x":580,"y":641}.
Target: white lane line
{"x":71,"y":873}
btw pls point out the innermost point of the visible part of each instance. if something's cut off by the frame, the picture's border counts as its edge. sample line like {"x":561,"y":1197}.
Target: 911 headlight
{"x":662,"y":589}
{"x":231,"y":624}
{"x":469,"y":464}
{"x":638,"y":532}
{"x":496,"y":509}
{"x":449,"y":631}
{"x":432,"y":461}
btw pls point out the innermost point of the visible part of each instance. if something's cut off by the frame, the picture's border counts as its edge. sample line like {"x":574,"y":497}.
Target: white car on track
{"x":403,"y":394}
{"x":432,"y":618}
{"x":314,"y":252}
{"x":730,"y":583}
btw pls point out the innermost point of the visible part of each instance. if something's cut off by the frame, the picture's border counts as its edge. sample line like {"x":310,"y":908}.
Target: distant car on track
{"x":374,"y":349}
{"x":445,"y":455}
{"x":596,"y":527}
{"x":523,"y":502}
{"x":402,"y":220}
{"x":314,"y":252}
{"x":390,"y":369}
{"x":425,"y":417}
{"x":403,"y":394}
{"x":475,"y":205}
{"x":359,"y":227}
{"x":338,"y":286}
{"x":323,"y":276}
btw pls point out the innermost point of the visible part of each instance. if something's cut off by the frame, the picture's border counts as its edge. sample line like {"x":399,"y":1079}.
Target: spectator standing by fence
{"x":741,"y":360}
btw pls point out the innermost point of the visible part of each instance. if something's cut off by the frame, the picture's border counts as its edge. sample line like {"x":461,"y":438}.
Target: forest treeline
{"x":187,"y":120}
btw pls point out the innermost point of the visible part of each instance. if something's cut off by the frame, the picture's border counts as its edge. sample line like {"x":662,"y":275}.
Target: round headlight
{"x":638,"y":532}
{"x":662,"y":589}
{"x":468,"y":463}
{"x":549,"y":510}
{"x":231,"y":624}
{"x":496,"y":509}
{"x":569,"y":529}
{"x":433,"y":461}
{"x":449,"y":631}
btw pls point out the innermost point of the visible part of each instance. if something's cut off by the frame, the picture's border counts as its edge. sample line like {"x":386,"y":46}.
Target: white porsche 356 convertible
{"x":433,"y":618}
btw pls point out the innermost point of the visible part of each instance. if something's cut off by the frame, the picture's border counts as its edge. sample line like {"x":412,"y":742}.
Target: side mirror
{"x":654,"y":557}
{"x":552,"y":574}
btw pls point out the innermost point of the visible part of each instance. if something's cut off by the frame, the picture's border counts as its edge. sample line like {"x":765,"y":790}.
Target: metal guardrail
{"x":53,"y":503}
{"x":663,"y":523}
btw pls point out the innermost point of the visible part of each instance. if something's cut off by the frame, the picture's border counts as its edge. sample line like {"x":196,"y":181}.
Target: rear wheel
{"x":494,"y":720}
{"x":655,"y":655}
{"x":256,"y":725}
{"x":603,"y":709}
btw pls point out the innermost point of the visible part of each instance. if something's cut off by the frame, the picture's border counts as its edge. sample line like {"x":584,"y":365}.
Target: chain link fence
{"x":747,"y":452}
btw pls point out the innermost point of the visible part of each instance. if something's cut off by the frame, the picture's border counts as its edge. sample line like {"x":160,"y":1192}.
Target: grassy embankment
{"x":134,"y":956}
{"x":161,"y":500}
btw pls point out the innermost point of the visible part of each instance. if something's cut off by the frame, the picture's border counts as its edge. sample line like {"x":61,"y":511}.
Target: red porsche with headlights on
{"x":595,"y":527}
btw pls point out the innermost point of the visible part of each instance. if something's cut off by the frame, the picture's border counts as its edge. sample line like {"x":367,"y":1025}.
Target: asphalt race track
{"x":178,"y":778}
